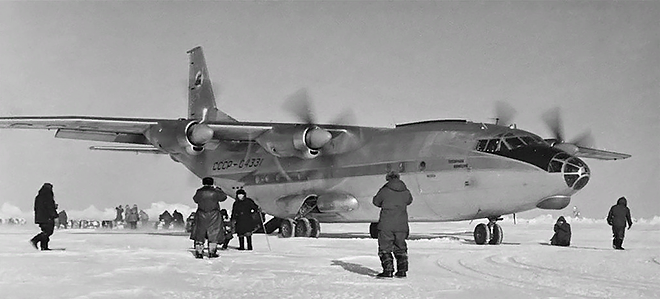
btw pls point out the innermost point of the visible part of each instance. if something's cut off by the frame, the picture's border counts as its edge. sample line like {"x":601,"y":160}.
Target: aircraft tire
{"x":287,"y":228}
{"x":303,"y":228}
{"x":373,"y":230}
{"x":316,"y":228}
{"x":481,"y":234}
{"x":497,"y":235}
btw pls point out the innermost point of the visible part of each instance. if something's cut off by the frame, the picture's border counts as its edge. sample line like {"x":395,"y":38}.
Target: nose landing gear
{"x":490,"y":233}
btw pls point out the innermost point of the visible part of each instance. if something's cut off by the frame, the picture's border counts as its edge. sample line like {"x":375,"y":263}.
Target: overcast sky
{"x":391,"y":63}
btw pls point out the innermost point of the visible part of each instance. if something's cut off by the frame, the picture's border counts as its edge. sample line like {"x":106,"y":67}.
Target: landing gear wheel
{"x":497,"y":235}
{"x":481,"y":234}
{"x":287,"y":228}
{"x":303,"y":228}
{"x":373,"y":230}
{"x":316,"y":227}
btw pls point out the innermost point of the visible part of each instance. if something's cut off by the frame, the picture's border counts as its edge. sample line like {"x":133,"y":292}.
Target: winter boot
{"x":401,"y":264}
{"x":199,"y":250}
{"x":241,"y":243}
{"x":213,"y":250}
{"x":619,"y":242}
{"x":249,"y":242}
{"x":387,"y":262}
{"x":44,"y":245}
{"x":34,"y":243}
{"x":225,"y":245}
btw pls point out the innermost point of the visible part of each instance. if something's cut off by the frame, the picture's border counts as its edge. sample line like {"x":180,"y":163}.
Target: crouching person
{"x":208,"y":222}
{"x":228,"y":227}
{"x":393,"y":199}
{"x":562,"y":236}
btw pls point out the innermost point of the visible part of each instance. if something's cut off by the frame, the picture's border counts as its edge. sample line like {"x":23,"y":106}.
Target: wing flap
{"x":134,"y":149}
{"x":586,"y":152}
{"x":102,"y":136}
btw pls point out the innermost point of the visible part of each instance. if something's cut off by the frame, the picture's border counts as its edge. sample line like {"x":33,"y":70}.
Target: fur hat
{"x":391,"y":175}
{"x":240,"y":191}
{"x":207,"y":181}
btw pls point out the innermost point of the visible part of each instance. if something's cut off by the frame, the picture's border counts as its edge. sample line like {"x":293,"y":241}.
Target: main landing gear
{"x":301,"y":226}
{"x":490,"y":233}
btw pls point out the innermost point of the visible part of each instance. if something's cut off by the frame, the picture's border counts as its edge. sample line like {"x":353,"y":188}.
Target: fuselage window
{"x":481,"y":145}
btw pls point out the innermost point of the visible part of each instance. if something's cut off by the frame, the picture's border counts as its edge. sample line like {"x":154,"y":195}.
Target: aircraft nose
{"x":576,"y":173}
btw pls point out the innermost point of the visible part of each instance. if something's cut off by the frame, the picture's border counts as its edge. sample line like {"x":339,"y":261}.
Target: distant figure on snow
{"x":132,"y":217}
{"x":62,"y":219}
{"x":177,"y":218}
{"x":243,"y":214}
{"x":562,"y":236}
{"x":166,"y":218}
{"x":576,"y":212}
{"x":144,"y":217}
{"x":208,"y":222}
{"x":127,"y":210}
{"x":45,"y":212}
{"x":120,"y":214}
{"x":618,"y":216}
{"x":393,"y":199}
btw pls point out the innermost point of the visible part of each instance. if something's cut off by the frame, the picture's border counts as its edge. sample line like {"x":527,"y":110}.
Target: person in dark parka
{"x":208,"y":222}
{"x":618,"y":216}
{"x":45,"y":212}
{"x":393,"y":199}
{"x":562,"y":236}
{"x":242,"y":215}
{"x":177,"y":218}
{"x":166,"y":218}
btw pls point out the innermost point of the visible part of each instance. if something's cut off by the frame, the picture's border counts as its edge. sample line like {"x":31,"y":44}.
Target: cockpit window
{"x":481,"y":146}
{"x":514,"y":142}
{"x":493,"y":145}
{"x":528,"y":139}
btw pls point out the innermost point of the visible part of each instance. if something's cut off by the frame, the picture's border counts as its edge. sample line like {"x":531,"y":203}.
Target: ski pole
{"x":265,"y":232}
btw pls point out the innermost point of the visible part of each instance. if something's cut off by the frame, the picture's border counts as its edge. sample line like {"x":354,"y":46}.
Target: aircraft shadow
{"x":355,"y":268}
{"x":352,"y":235}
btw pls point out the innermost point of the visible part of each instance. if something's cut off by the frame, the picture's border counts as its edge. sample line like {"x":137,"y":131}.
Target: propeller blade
{"x":552,"y":119}
{"x":346,"y":117}
{"x":584,"y":140}
{"x":299,"y":105}
{"x":504,"y":113}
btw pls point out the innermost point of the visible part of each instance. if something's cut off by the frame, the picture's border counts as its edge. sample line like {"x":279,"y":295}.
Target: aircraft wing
{"x":586,"y":152}
{"x":107,"y":129}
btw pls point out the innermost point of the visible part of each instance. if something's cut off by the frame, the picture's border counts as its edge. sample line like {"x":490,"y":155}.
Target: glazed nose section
{"x":576,"y":173}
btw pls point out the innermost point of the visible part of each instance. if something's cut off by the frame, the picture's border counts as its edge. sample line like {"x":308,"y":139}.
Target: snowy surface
{"x":444,"y":263}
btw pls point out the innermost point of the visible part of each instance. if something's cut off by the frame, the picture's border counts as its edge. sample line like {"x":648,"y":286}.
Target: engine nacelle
{"x":180,"y":136}
{"x":336,"y":203}
{"x":295,"y":142}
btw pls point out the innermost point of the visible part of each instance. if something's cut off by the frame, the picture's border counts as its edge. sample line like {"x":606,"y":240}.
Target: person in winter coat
{"x":618,"y":216}
{"x":562,"y":236}
{"x":63,"y":219}
{"x":208,"y":222}
{"x":166,"y":218}
{"x":120,"y":214}
{"x":177,"y":218}
{"x":393,"y":199}
{"x":132,"y":217}
{"x":242,"y":215}
{"x":144,"y":217}
{"x":228,"y":227}
{"x":45,"y":212}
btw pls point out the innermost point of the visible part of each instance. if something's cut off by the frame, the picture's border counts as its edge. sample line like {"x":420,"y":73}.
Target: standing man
{"x":208,"y":222}
{"x":618,"y":216}
{"x":45,"y":212}
{"x":393,"y":199}
{"x":243,"y":214}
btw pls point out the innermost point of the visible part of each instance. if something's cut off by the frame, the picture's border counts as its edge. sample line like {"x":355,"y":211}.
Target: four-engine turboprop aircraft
{"x":306,"y":173}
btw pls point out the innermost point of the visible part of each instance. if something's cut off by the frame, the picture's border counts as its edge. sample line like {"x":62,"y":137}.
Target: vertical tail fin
{"x":200,"y":91}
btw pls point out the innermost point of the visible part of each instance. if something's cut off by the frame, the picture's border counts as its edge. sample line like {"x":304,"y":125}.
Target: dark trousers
{"x":618,"y":232}
{"x":393,"y":242}
{"x":44,"y":236}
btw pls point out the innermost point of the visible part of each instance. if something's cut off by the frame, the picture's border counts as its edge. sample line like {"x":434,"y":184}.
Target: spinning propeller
{"x":553,"y":120}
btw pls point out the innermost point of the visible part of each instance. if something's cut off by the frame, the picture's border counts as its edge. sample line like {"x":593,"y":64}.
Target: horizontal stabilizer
{"x":586,"y":152}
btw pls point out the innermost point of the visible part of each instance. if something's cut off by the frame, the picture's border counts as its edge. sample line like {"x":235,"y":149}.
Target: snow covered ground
{"x":444,"y":263}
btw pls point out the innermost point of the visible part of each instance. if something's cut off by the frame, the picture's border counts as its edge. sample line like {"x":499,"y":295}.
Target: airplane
{"x":307,"y":173}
